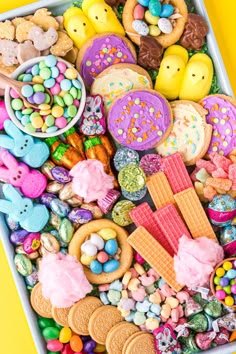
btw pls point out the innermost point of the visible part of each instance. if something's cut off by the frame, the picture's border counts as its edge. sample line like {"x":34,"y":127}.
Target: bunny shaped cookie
{"x":32,"y":217}
{"x":165,"y":340}
{"x":93,"y":119}
{"x":32,"y":151}
{"x":32,"y":183}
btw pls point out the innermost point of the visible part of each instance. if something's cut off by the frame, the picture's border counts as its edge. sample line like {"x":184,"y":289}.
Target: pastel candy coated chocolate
{"x":32,"y":183}
{"x":33,"y":152}
{"x":32,"y":217}
{"x":43,"y":40}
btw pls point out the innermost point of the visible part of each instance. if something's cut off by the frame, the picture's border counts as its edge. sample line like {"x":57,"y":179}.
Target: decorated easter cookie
{"x":120,"y":78}
{"x":164,"y":33}
{"x":140,"y":119}
{"x":78,"y":247}
{"x":221,"y":115}
{"x":101,"y":51}
{"x":190,"y":134}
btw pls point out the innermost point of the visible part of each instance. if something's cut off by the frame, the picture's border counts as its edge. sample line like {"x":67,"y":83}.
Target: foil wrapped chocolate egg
{"x":221,"y":210}
{"x":227,"y":235}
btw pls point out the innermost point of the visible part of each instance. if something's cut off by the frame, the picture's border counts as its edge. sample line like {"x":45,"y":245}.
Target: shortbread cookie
{"x":118,"y":335}
{"x":60,"y":315}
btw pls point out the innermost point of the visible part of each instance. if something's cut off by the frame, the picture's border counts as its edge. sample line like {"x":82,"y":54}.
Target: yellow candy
{"x":197,"y":78}
{"x":99,"y":348}
{"x":65,"y":335}
{"x":37,"y":122}
{"x":126,"y":278}
{"x":153,"y":20}
{"x":37,"y":79}
{"x":152,"y":323}
{"x":166,"y":310}
{"x":133,"y":284}
{"x":78,"y":26}
{"x":57,"y":111}
{"x":227,"y":265}
{"x":229,"y":301}
{"x":63,"y":93}
{"x":45,"y":112}
{"x":86,"y":260}
{"x":44,"y":128}
{"x":102,"y":17}
{"x":220,"y":272}
{"x":172,"y":301}
{"x":107,"y":233}
{"x":44,"y":107}
{"x":139,"y":269}
{"x":219,"y":287}
{"x":154,"y":31}
{"x":71,"y":73}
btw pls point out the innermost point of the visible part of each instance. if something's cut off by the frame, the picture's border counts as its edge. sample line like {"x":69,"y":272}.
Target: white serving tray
{"x":58,"y":7}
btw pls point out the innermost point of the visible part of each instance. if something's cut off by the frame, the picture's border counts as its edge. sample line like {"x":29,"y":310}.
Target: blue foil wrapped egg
{"x":227,"y":235}
{"x":221,"y":210}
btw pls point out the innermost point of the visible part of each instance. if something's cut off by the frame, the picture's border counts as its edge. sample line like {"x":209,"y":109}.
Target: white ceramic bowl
{"x":21,"y":69}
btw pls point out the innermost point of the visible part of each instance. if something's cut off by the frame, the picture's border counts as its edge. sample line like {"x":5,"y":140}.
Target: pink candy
{"x":209,"y":166}
{"x":61,"y":122}
{"x":232,"y":172}
{"x":14,"y":94}
{"x":104,"y":287}
{"x":54,"y":345}
{"x":138,"y":12}
{"x":55,"y":90}
{"x":61,"y":66}
{"x":146,"y":280}
{"x":3,"y":114}
{"x":59,"y":78}
{"x":167,"y":291}
{"x":219,"y":173}
{"x":182,"y":296}
{"x":76,"y":103}
{"x":220,"y":161}
{"x":139,"y":258}
{"x":139,"y":294}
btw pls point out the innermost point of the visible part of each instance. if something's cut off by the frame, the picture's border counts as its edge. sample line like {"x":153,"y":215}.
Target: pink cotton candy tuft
{"x":196,"y":260}
{"x":63,"y":279}
{"x":90,"y":181}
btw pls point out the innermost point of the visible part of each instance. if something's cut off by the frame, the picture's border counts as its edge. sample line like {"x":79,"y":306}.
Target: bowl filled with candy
{"x":52,"y":101}
{"x":223,"y":282}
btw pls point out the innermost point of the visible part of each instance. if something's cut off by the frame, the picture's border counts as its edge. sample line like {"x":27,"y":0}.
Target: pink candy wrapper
{"x":165,"y":340}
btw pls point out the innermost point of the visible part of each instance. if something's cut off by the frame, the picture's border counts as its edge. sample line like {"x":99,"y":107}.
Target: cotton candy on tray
{"x":63,"y":280}
{"x":196,"y":259}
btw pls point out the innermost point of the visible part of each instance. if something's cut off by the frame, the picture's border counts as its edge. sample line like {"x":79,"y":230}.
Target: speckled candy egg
{"x":221,"y":210}
{"x":140,"y":27}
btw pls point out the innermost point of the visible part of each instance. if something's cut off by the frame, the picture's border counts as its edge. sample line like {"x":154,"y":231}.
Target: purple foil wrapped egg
{"x":46,"y":198}
{"x":17,"y":237}
{"x":80,"y":216}
{"x":61,"y":174}
{"x":32,"y":242}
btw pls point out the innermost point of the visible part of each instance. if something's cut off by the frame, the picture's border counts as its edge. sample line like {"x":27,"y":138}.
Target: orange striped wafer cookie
{"x":158,"y":258}
{"x":160,"y":190}
{"x":194,"y":214}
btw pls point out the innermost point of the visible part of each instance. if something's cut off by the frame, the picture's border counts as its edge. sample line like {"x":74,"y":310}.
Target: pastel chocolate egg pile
{"x":224,"y":280}
{"x":153,"y":18}
{"x":101,"y":251}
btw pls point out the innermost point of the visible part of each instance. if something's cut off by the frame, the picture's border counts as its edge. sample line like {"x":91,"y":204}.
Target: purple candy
{"x":224,"y":281}
{"x":85,"y":338}
{"x":89,"y":346}
{"x":39,"y":97}
{"x":61,"y":174}
{"x":80,"y":216}
{"x":31,"y":99}
{"x":18,"y":237}
{"x":28,"y":71}
{"x":46,"y":198}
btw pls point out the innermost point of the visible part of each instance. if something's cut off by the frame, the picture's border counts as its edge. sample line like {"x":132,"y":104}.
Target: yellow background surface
{"x":14,"y":332}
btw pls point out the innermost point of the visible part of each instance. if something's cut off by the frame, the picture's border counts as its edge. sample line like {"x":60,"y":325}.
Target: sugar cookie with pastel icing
{"x":190,"y":135}
{"x":102,"y":51}
{"x":118,"y":79}
{"x":222,"y":116}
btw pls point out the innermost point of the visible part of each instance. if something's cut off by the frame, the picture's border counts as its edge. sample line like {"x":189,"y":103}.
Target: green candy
{"x":45,"y":322}
{"x":59,"y":101}
{"x":131,"y":178}
{"x":66,"y":230}
{"x":42,"y":64}
{"x":72,"y":111}
{"x":114,"y":296}
{"x":49,"y":352}
{"x":38,"y":88}
{"x":17,"y":104}
{"x":20,"y":77}
{"x":45,"y":73}
{"x":47,"y":98}
{"x":120,"y":212}
{"x":68,"y":99}
{"x":49,"y":120}
{"x":35,"y":114}
{"x":213,"y":309}
{"x":29,"y":128}
{"x":79,"y":95}
{"x":51,"y":332}
{"x":73,"y":92}
{"x":139,"y":318}
{"x":27,"y":111}
{"x":191,"y":344}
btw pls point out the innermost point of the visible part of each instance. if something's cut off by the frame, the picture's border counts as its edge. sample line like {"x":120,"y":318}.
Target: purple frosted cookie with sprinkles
{"x":102,"y":51}
{"x":140,"y":119}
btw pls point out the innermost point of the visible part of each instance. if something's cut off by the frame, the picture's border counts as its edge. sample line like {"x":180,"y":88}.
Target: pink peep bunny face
{"x":93,"y":119}
{"x":165,"y":340}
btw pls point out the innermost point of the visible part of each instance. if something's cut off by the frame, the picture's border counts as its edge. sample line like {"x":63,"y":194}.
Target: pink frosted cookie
{"x":140,"y":119}
{"x":222,"y":116}
{"x":102,"y":51}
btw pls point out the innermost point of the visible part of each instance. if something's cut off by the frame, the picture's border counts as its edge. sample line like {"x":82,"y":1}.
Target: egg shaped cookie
{"x":190,"y":135}
{"x":118,"y":79}
{"x":140,"y":119}
{"x":125,"y":258}
{"x":102,"y":51}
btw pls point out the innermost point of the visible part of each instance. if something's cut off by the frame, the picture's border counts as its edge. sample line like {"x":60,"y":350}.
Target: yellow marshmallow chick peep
{"x":78,"y":26}
{"x":102,"y":17}
{"x":171,"y":73}
{"x":197,"y":79}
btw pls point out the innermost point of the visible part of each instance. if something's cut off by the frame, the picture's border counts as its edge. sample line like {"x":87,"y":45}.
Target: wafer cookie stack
{"x":160,"y":190}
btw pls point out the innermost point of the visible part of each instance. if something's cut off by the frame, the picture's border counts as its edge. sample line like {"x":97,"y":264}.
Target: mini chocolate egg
{"x":165,"y":25}
{"x":54,"y":187}
{"x":111,"y":265}
{"x":140,"y":27}
{"x":80,"y":216}
{"x":97,"y":241}
{"x":155,"y":7}
{"x":95,"y":210}
{"x":66,"y":230}
{"x":221,"y":210}
{"x":54,"y":220}
{"x":111,"y":247}
{"x":96,"y":267}
{"x":61,"y":174}
{"x":23,"y":264}
{"x":49,"y":243}
{"x":167,"y":10}
{"x":59,"y":207}
{"x":46,"y":198}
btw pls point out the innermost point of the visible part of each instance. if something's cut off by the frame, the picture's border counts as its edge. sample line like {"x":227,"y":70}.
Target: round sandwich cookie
{"x":139,"y":342}
{"x":221,"y":114}
{"x":101,"y":51}
{"x":120,"y":78}
{"x":118,"y":335}
{"x":41,"y":306}
{"x":140,"y":119}
{"x":80,"y":314}
{"x":101,"y":321}
{"x":60,"y":315}
{"x":190,"y":135}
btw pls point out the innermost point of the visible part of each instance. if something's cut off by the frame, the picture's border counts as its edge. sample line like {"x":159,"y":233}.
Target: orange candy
{"x":76,"y":343}
{"x":233,"y":336}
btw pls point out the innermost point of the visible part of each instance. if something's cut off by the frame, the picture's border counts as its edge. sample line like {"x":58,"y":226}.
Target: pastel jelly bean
{"x":65,"y":335}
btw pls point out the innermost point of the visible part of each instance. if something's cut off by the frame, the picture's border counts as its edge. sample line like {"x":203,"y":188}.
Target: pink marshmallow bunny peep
{"x":31,"y":183}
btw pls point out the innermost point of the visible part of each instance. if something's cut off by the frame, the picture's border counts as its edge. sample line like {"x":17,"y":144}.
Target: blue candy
{"x":27,"y":90}
{"x":116,"y":285}
{"x":54,"y":72}
{"x":50,"y":60}
{"x":167,"y":10}
{"x":155,"y":308}
{"x":231,"y":274}
{"x":111,"y":247}
{"x":65,"y":85}
{"x":76,"y":83}
{"x":27,"y":78}
{"x":49,"y":83}
{"x":143,"y":306}
{"x":96,"y":267}
{"x":154,"y":7}
{"x":144,"y":3}
{"x":104,"y":298}
{"x":110,"y":266}
{"x":35,"y":70}
{"x":130,"y":317}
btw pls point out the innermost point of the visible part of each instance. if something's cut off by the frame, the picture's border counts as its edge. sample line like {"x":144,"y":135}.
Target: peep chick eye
{"x":96,"y":17}
{"x":178,"y":69}
{"x":84,"y":24}
{"x":193,"y":75}
{"x":203,"y":77}
{"x":167,"y":67}
{"x":75,"y":30}
{"x":105,"y":10}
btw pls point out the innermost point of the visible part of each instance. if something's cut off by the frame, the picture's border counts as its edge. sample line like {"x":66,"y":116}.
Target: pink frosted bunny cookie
{"x":32,"y":183}
{"x":43,"y":40}
{"x":165,"y":340}
{"x":222,"y":116}
{"x":93,"y":119}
